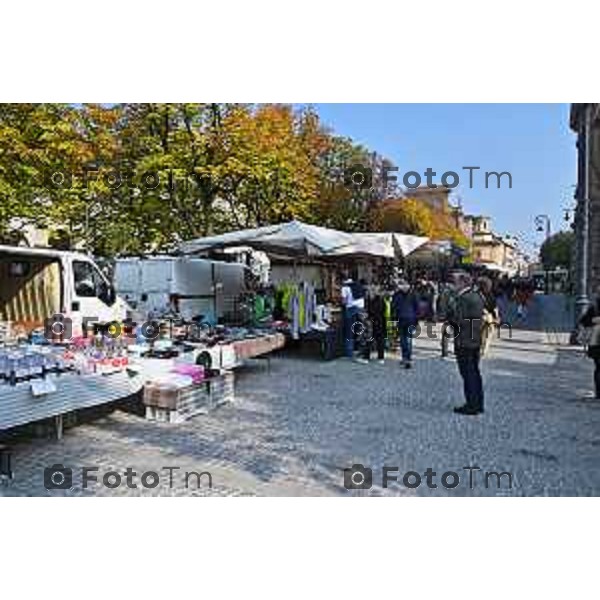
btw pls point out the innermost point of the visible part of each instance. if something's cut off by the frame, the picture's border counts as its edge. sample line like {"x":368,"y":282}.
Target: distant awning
{"x":490,"y":266}
{"x":389,"y":245}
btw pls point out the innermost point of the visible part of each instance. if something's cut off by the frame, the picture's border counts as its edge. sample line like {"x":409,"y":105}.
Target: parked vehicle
{"x":38,"y":283}
{"x":187,"y":286}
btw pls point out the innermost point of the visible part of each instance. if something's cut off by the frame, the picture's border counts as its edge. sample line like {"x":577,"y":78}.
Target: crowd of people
{"x":382,"y":318}
{"x":378,"y":318}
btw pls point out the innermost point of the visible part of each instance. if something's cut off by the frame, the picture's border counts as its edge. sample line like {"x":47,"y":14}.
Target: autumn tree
{"x":342,"y":203}
{"x":24,"y":133}
{"x":406,"y":215}
{"x":415,"y":217}
{"x":133,"y":178}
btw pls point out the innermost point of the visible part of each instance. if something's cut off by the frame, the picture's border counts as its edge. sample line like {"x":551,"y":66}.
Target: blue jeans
{"x":406,"y":341}
{"x":350,"y":314}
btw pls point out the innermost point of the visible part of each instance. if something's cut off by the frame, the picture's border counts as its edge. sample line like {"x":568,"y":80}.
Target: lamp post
{"x":542,"y":222}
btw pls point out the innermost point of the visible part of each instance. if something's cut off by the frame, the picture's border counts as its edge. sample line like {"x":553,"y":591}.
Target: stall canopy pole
{"x":214,"y":287}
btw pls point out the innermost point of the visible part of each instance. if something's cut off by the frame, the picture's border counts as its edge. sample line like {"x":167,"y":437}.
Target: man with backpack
{"x":466,"y":317}
{"x":446,"y":299}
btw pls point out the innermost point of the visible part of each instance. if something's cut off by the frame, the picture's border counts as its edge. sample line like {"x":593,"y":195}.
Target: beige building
{"x":492,"y":250}
{"x":436,"y":198}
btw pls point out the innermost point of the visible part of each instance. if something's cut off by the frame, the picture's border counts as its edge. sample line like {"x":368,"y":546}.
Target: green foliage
{"x":557,"y":250}
{"x":144,"y":177}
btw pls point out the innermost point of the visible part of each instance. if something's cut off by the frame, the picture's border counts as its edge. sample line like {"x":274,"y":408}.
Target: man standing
{"x":405,"y":310}
{"x":375,"y":325}
{"x":467,"y":319}
{"x":353,"y":301}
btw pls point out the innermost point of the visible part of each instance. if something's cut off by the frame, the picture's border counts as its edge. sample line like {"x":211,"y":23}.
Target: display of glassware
{"x":24,"y":363}
{"x":19,"y":364}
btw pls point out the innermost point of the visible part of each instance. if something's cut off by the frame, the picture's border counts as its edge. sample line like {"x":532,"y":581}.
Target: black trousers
{"x":374,"y":338}
{"x":468,"y":366}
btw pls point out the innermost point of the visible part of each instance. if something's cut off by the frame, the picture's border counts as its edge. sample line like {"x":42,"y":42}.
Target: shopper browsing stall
{"x":353,"y":301}
{"x":376,"y":328}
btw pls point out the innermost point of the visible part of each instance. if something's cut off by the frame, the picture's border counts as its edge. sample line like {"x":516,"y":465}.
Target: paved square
{"x":295,"y":426}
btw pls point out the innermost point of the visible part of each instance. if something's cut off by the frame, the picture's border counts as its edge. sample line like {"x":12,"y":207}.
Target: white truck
{"x":38,"y":283}
{"x":181,"y":284}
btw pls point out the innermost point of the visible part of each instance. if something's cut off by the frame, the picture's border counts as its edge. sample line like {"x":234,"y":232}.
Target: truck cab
{"x":37,"y":283}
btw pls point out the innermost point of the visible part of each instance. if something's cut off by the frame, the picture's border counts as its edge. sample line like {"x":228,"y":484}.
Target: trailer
{"x":187,"y":286}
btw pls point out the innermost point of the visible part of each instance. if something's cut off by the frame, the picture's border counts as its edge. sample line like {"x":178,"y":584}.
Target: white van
{"x":185,"y":285}
{"x":37,"y":283}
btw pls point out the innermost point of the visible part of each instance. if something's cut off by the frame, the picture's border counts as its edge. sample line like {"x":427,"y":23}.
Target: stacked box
{"x":175,"y":405}
{"x":221,"y":389}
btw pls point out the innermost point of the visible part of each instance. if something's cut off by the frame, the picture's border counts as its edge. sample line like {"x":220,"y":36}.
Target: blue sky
{"x":532,"y":141}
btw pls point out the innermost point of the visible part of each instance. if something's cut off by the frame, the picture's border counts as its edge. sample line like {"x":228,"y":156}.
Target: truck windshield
{"x":88,"y":281}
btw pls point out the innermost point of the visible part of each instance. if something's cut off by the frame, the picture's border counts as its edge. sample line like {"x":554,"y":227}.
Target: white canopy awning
{"x":388,"y":245}
{"x":296,"y":237}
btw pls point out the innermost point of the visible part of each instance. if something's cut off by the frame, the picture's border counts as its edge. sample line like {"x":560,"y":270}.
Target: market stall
{"x":198,"y":377}
{"x":40,"y":379}
{"x":49,"y":381}
{"x":307,"y":260}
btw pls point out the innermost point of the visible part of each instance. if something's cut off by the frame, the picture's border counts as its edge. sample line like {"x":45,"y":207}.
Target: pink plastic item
{"x":196,"y":372}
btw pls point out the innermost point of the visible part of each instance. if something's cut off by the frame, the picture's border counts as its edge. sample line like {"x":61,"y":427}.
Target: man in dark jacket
{"x":466,"y":318}
{"x":376,"y":324}
{"x":405,"y":308}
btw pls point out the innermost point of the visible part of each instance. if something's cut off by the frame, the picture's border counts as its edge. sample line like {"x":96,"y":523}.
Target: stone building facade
{"x":587,"y":281}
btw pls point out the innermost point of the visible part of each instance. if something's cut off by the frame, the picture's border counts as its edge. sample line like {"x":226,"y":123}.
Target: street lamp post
{"x":540,"y":222}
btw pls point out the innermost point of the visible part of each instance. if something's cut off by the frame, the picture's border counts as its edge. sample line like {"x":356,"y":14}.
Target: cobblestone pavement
{"x":297,"y":424}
